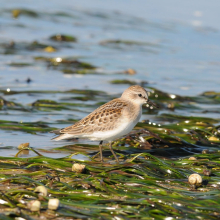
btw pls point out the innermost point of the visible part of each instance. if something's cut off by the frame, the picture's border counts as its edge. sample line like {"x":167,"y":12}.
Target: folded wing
{"x":105,"y":118}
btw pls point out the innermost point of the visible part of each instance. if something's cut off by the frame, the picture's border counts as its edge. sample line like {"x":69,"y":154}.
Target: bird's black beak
{"x":152,"y":103}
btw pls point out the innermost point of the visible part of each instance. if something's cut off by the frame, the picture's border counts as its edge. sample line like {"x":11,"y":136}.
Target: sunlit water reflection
{"x":174,"y":52}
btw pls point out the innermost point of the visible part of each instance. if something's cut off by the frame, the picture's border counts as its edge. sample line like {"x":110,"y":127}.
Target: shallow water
{"x":175,"y":50}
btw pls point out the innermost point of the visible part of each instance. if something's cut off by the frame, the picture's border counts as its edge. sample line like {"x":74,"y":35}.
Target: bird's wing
{"x":103,"y":118}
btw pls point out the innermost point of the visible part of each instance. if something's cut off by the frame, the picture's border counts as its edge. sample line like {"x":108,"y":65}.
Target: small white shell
{"x":34,"y":205}
{"x":195,"y":179}
{"x":205,"y":151}
{"x":42,"y":190}
{"x":53,"y":204}
{"x":78,"y":168}
{"x":192,"y":158}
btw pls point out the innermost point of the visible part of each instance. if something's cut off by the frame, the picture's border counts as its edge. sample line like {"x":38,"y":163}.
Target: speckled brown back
{"x":106,"y":117}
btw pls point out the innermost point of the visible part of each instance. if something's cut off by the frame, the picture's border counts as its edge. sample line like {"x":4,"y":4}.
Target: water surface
{"x":172,"y":47}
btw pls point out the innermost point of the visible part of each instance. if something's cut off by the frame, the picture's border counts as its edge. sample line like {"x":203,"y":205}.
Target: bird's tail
{"x":61,"y":136}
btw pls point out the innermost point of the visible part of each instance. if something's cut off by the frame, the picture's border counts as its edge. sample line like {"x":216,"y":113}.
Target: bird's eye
{"x":139,"y":95}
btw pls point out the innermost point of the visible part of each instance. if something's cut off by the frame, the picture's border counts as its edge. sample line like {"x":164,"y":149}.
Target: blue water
{"x":182,"y":55}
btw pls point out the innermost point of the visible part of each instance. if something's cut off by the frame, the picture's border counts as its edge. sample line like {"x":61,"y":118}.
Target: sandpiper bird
{"x":111,"y":120}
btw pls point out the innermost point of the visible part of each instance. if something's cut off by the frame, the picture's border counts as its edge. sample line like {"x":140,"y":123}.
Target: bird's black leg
{"x":110,"y":146}
{"x":100,"y":149}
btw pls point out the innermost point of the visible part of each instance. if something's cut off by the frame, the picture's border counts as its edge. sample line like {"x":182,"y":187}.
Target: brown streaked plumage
{"x":102,"y":119}
{"x":111,"y":120}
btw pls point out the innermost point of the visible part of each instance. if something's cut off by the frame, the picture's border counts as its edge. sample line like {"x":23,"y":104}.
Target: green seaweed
{"x":25,"y":126}
{"x":128,"y":42}
{"x":124,"y":81}
{"x":74,"y":91}
{"x":20,"y":64}
{"x":26,"y":12}
{"x":62,"y":37}
{"x":145,"y":187}
{"x":156,"y":158}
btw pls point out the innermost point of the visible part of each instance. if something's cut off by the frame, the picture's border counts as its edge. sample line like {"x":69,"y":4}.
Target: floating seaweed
{"x":179,"y":139}
{"x":143,"y":185}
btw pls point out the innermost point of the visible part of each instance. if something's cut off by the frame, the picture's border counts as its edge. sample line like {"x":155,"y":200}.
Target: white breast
{"x":124,"y":128}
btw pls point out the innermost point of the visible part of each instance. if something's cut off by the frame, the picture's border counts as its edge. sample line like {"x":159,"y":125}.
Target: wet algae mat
{"x":143,"y":186}
{"x":178,"y":139}
{"x":151,"y":181}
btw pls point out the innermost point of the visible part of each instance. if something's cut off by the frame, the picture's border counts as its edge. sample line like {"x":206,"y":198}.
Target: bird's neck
{"x":135,"y":110}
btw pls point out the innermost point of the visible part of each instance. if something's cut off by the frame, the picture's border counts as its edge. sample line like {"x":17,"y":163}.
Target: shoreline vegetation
{"x":58,"y":66}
